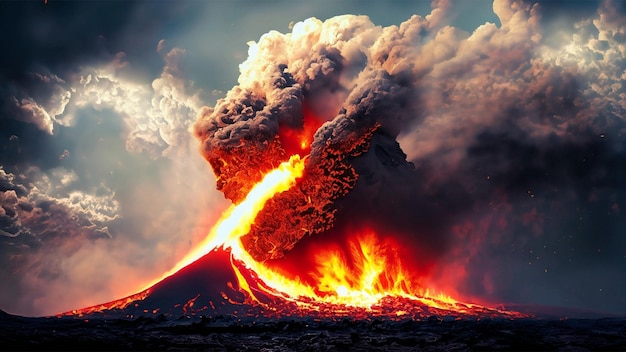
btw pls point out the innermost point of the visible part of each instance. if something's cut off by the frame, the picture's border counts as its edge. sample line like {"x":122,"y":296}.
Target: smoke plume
{"x":511,"y":132}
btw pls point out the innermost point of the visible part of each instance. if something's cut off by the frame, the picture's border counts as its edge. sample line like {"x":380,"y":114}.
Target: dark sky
{"x":517,"y":138}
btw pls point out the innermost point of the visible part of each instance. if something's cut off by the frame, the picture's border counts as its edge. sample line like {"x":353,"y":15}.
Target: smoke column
{"x":484,"y":153}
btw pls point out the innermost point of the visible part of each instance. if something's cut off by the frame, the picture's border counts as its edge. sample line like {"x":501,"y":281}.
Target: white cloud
{"x":43,"y":105}
{"x":157,"y":116}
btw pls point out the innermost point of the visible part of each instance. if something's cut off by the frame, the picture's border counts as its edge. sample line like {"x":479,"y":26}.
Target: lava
{"x":298,"y":140}
{"x":363,"y":277}
{"x":237,"y":219}
{"x":367,"y":274}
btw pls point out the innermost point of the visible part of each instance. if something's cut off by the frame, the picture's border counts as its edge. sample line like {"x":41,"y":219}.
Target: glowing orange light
{"x":298,"y":140}
{"x":361,"y":275}
{"x":368,"y":272}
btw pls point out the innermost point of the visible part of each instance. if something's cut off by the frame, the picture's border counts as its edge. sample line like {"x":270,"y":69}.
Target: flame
{"x":361,"y":276}
{"x":298,"y":140}
{"x":358,"y":274}
{"x":364,"y":277}
{"x":370,"y":271}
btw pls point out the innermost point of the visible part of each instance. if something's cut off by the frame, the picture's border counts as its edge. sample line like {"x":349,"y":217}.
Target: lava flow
{"x":370,"y":273}
{"x":368,"y":278}
{"x":253,"y":257}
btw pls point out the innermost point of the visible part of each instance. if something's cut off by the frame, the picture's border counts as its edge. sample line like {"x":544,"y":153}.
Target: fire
{"x":361,"y":276}
{"x":298,"y":140}
{"x":358,"y":274}
{"x":369,"y":272}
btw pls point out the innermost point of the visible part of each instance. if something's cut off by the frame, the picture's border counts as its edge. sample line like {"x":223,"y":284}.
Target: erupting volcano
{"x":364,"y":277}
{"x":305,"y":149}
{"x":440,"y":178}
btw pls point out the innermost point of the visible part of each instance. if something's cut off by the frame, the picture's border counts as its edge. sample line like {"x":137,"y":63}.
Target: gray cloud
{"x":157,"y":118}
{"x":106,"y":191}
{"x":39,"y":99}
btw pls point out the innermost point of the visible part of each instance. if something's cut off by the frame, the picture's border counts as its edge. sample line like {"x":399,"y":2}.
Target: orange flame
{"x":361,"y":275}
{"x":298,"y":140}
{"x":370,"y":270}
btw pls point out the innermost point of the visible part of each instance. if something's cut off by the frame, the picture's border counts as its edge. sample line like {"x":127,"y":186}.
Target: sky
{"x":515,"y":130}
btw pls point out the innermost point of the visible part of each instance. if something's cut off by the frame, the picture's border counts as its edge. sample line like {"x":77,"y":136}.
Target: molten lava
{"x":369,"y":271}
{"x":365,"y":277}
{"x":237,"y":219}
{"x":298,"y":140}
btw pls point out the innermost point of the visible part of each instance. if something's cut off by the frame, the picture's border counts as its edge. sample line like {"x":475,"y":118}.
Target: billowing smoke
{"x":514,"y":136}
{"x":324,"y":67}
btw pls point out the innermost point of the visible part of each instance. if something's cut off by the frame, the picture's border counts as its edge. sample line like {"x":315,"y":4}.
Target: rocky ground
{"x":227,"y":333}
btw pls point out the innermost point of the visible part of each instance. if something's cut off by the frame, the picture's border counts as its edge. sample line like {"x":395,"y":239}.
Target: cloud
{"x":157,"y":118}
{"x":80,"y":209}
{"x":39,"y":99}
{"x":40,"y":233}
{"x":349,"y":75}
{"x":29,"y":208}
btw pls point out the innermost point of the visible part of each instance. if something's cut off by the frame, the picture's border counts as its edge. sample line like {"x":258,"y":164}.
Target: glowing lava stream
{"x":237,"y":219}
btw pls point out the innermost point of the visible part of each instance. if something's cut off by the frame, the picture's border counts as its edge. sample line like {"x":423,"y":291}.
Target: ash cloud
{"x":513,"y":137}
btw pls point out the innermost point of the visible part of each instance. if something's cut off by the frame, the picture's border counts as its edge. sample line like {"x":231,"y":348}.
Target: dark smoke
{"x":514,"y":136}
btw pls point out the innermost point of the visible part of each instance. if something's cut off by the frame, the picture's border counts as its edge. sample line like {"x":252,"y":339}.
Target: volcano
{"x":361,"y":276}
{"x":308,"y":239}
{"x":212,"y":286}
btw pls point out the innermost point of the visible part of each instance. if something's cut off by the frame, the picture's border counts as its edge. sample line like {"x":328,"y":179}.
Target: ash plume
{"x":508,"y":132}
{"x":351,"y":97}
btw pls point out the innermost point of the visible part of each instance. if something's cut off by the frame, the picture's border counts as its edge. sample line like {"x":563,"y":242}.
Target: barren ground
{"x":227,"y":333}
